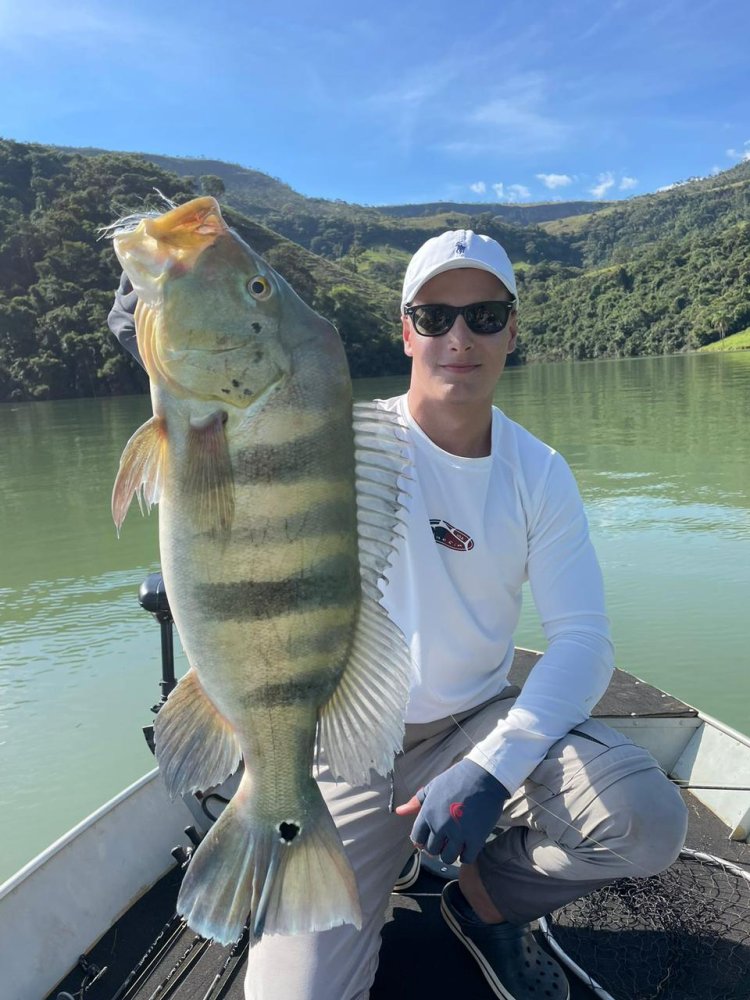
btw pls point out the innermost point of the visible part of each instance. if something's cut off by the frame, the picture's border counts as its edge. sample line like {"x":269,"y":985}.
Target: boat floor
{"x":419,"y":955}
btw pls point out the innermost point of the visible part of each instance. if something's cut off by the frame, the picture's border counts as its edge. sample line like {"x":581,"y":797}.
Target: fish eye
{"x":259,"y":287}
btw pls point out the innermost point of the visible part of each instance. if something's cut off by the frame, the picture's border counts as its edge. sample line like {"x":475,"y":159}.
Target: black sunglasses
{"x":435,"y":319}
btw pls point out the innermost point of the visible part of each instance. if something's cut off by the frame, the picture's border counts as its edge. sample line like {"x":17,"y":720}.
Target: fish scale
{"x":275,"y":533}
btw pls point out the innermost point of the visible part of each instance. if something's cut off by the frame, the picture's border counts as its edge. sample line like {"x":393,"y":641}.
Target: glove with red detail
{"x":457,"y":811}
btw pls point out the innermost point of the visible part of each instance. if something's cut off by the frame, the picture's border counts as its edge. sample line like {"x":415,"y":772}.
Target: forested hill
{"x":658,"y":273}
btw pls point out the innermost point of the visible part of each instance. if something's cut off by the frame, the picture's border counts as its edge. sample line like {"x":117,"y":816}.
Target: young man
{"x":578,"y":805}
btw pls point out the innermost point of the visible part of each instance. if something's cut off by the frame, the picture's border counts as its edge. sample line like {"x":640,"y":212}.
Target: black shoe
{"x":409,"y":873}
{"x":510,"y":959}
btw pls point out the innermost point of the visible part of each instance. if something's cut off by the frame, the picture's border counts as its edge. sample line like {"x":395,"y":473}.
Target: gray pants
{"x":596,"y":808}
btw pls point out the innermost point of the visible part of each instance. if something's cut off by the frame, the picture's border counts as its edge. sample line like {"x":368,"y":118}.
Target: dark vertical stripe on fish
{"x":313,"y":522}
{"x":314,"y":687}
{"x":320,"y":453}
{"x":331,"y":583}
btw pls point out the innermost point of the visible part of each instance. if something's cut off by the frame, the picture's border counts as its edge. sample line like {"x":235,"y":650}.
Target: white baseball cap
{"x":457,"y":248}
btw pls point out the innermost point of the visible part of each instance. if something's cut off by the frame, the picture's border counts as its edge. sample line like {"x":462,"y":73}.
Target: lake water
{"x":661,"y":450}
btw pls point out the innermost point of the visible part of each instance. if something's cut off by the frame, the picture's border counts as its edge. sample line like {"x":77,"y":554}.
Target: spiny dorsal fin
{"x":362,"y":725}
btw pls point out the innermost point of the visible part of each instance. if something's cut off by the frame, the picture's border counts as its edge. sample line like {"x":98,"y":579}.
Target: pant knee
{"x":653,"y":821}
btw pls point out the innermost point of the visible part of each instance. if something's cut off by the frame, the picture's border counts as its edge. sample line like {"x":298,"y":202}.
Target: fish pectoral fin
{"x":362,"y":724}
{"x":292,"y":873}
{"x":209,"y":481}
{"x":196,"y":747}
{"x":141,"y":471}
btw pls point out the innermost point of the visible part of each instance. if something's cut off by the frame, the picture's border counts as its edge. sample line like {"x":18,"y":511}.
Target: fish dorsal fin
{"x":362,"y":724}
{"x":141,"y":471}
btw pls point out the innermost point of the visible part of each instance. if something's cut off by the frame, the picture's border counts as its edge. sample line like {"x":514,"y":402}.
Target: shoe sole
{"x":487,"y":971}
{"x":408,"y":880}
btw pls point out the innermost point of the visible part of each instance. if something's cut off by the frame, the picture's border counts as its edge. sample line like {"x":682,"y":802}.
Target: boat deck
{"x":420,"y":956}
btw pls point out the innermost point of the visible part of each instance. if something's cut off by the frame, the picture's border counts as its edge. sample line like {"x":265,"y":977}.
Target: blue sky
{"x":488,"y":100}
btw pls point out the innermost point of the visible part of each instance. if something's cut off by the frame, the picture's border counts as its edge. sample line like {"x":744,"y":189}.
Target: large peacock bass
{"x":278,"y":506}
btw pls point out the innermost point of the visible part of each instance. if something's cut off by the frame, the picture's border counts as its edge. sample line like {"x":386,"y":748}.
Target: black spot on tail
{"x":288,"y":832}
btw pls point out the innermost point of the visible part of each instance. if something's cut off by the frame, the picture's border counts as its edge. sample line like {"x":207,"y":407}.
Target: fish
{"x":280,"y":506}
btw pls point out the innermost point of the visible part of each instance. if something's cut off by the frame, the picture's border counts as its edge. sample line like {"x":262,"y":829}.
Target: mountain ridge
{"x":661,"y":272}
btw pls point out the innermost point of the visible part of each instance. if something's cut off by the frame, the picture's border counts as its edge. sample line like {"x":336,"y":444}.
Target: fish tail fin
{"x":292,"y":875}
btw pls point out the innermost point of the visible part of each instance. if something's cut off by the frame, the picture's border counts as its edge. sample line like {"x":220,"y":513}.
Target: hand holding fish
{"x":456,"y":811}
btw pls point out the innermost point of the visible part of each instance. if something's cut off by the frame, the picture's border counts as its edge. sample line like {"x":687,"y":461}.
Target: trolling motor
{"x":153,"y":598}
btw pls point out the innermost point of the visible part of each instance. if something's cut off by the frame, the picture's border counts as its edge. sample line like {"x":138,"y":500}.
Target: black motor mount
{"x":152,"y":597}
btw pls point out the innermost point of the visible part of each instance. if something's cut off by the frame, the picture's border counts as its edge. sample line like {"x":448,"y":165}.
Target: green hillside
{"x":737,"y":342}
{"x":524,"y":215}
{"x":659,"y":273}
{"x":57,"y":275}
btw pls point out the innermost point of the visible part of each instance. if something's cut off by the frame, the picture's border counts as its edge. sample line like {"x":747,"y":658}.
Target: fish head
{"x":214,"y":320}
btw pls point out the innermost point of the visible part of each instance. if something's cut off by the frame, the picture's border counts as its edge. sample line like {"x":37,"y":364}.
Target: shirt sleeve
{"x":121,"y":318}
{"x":572,"y":675}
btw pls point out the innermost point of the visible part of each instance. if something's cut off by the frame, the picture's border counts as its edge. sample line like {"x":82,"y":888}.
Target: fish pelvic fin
{"x":361,"y":727}
{"x":291,"y":875}
{"x":209,"y":481}
{"x":142,"y":470}
{"x":196,"y":747}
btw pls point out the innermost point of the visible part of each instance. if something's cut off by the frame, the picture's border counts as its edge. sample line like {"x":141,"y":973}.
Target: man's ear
{"x":407,"y":333}
{"x":513,"y":331}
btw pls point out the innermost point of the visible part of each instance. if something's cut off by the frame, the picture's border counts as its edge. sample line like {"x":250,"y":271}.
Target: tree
{"x":212,"y":185}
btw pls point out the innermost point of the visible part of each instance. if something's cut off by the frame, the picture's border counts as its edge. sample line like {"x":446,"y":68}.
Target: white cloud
{"x":80,"y":25}
{"x":627,"y":183}
{"x":715,"y":170}
{"x":676,"y":184}
{"x":740,"y":154}
{"x":606,"y":181}
{"x":521,"y":112}
{"x":479,"y":188}
{"x":511,"y":192}
{"x":553,"y":181}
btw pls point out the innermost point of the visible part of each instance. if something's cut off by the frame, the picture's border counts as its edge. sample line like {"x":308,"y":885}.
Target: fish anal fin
{"x":142,"y":468}
{"x":209,"y":481}
{"x":196,"y":747}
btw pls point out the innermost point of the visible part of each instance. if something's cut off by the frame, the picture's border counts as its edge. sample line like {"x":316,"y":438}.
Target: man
{"x":578,"y":805}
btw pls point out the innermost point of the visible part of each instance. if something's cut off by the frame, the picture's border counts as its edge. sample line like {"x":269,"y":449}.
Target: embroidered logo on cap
{"x":460,"y":248}
{"x":452,"y":538}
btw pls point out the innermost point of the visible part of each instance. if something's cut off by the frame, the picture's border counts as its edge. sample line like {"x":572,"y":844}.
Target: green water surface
{"x":661,"y":450}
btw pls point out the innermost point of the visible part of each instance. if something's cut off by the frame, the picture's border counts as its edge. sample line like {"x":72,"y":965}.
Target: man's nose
{"x":460,"y":335}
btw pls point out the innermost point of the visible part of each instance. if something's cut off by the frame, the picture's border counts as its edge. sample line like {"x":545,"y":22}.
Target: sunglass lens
{"x":433,"y":320}
{"x":487,"y":317}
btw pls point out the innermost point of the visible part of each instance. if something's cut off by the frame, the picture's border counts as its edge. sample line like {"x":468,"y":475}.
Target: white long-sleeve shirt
{"x":478,"y":528}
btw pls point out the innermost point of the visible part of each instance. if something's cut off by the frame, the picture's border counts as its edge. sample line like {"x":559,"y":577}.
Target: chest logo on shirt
{"x":452,"y":538}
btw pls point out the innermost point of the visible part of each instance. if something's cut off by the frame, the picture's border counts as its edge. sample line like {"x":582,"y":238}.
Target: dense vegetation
{"x":57,"y":274}
{"x":659,"y":273}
